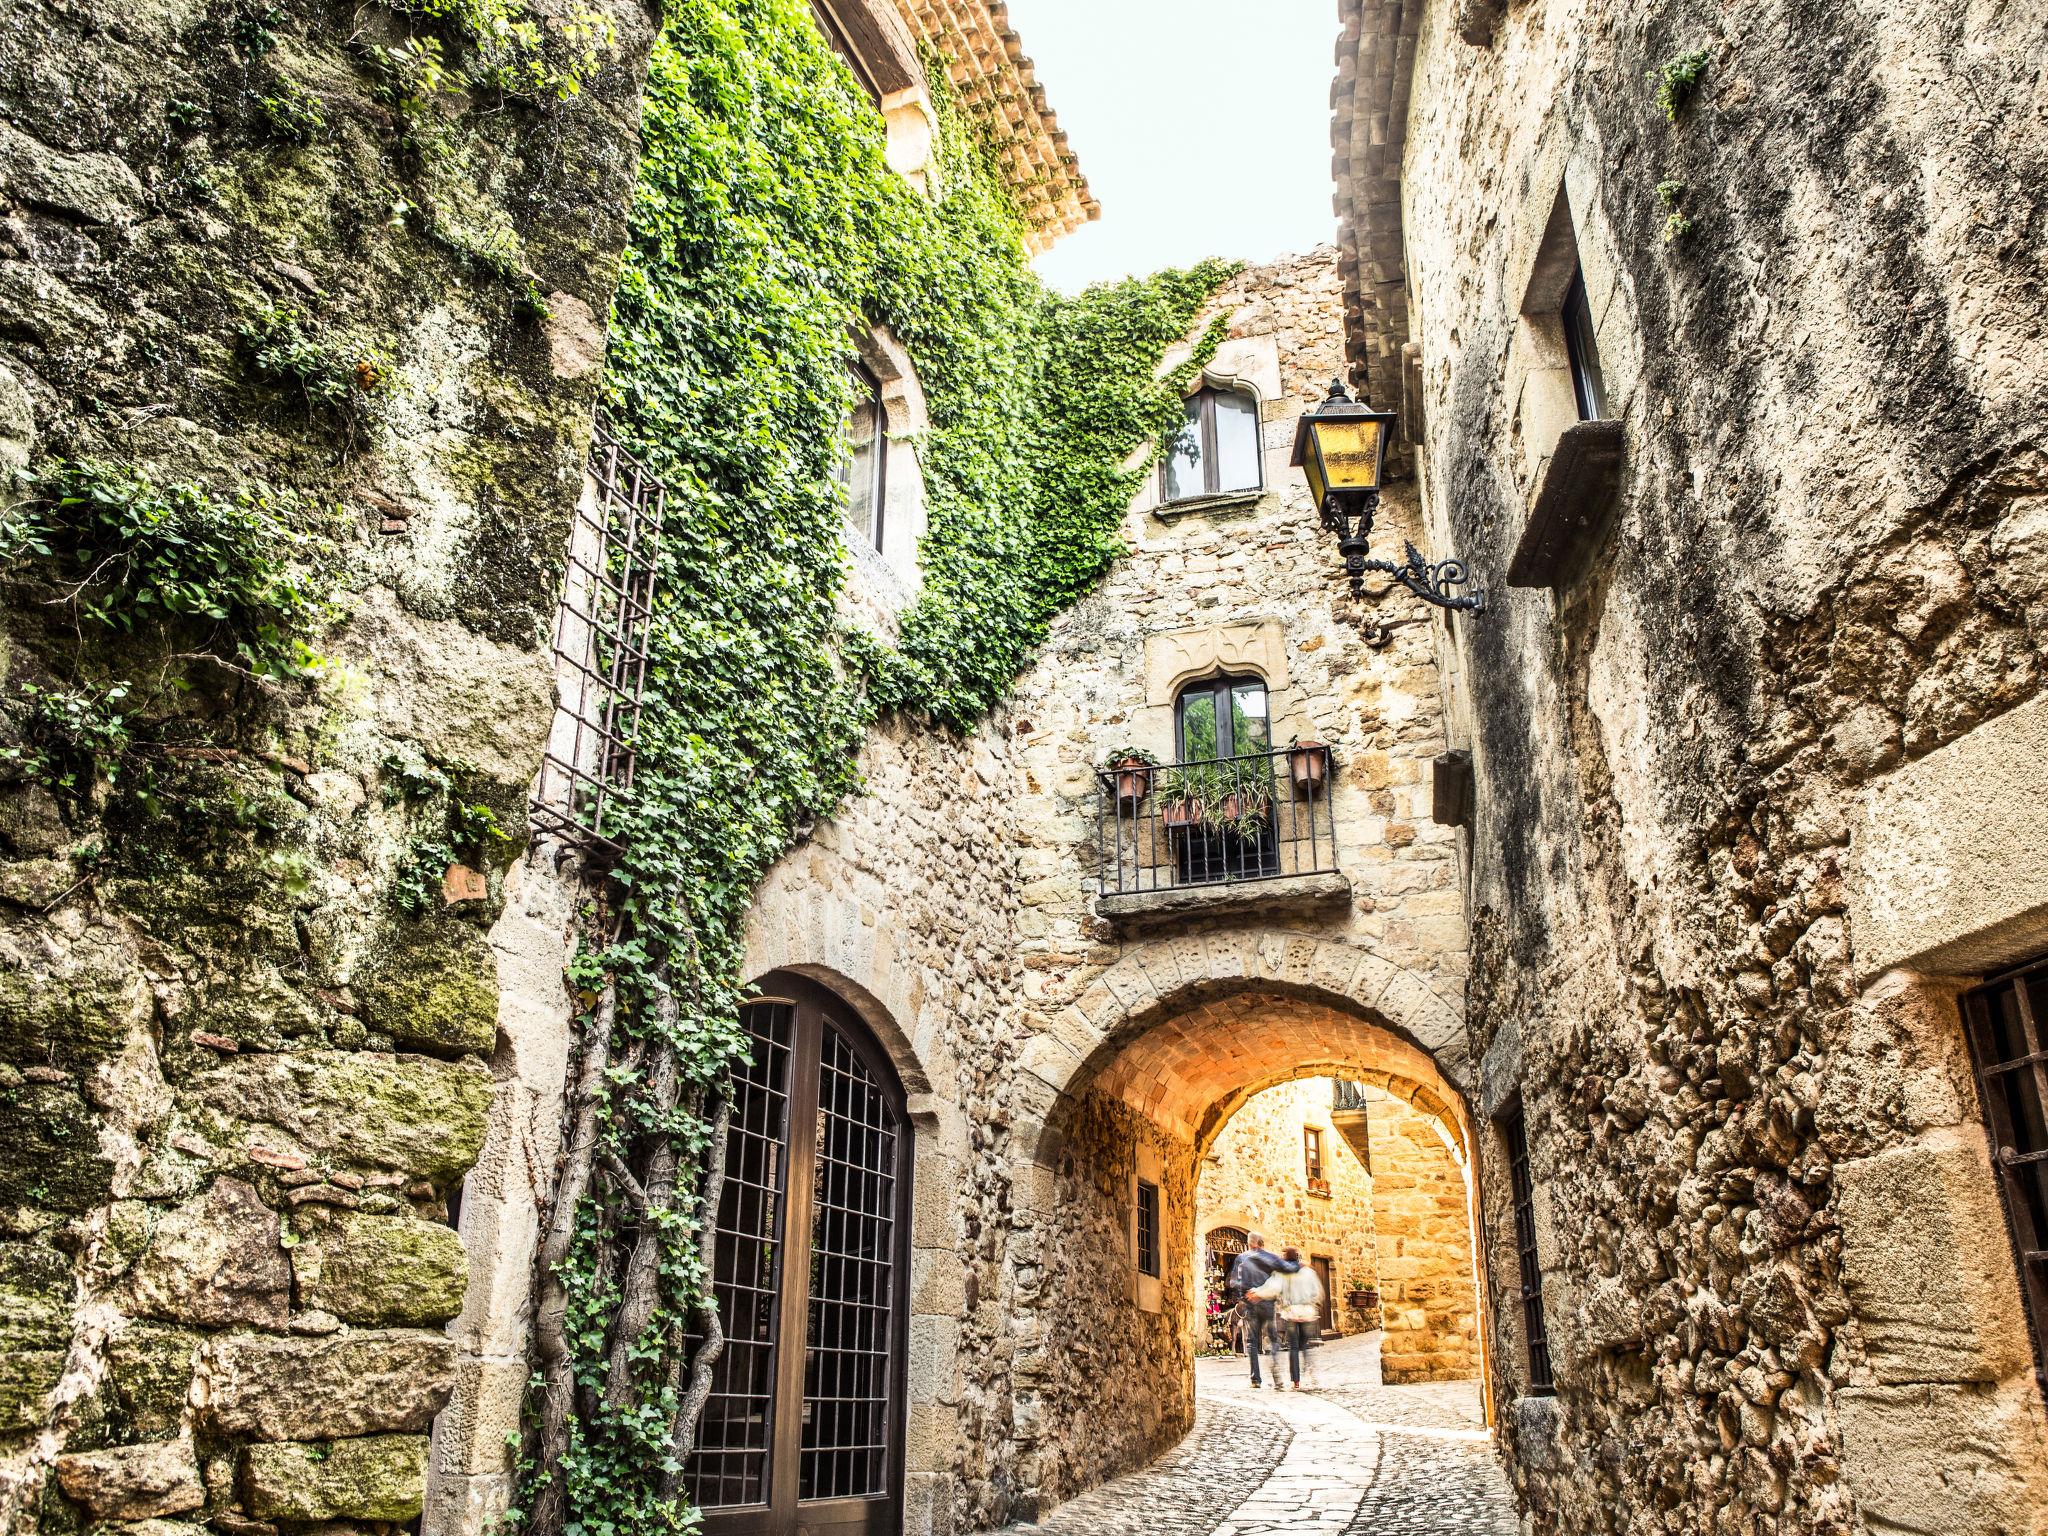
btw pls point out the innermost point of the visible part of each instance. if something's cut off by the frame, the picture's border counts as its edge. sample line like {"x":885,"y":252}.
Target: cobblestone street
{"x":1349,"y":1458}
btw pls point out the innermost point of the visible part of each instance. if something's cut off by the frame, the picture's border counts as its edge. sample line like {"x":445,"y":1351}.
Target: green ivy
{"x":767,"y":231}
{"x":247,"y":575}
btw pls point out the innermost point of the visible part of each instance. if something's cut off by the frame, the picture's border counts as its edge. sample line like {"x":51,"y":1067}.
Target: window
{"x":865,"y":468}
{"x":2008,"y":1028}
{"x":1516,"y":1133}
{"x":1588,"y":387}
{"x":1312,"y":1160}
{"x":1221,"y":717}
{"x":1217,"y":449}
{"x":1148,"y":1228}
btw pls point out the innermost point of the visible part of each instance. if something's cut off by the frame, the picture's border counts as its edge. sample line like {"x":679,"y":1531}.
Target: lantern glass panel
{"x":1349,"y":451}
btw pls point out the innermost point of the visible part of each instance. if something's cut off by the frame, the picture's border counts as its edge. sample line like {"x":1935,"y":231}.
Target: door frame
{"x":785,"y":1514}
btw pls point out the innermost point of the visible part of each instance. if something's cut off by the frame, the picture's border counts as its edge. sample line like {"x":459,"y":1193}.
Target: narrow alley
{"x":1348,"y":1458}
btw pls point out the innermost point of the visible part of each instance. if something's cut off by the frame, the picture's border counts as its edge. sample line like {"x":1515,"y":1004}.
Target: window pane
{"x":1237,"y":442}
{"x":1584,"y":353}
{"x":1184,"y":459}
{"x":862,"y":468}
{"x":1198,"y":727}
{"x":1249,"y":729}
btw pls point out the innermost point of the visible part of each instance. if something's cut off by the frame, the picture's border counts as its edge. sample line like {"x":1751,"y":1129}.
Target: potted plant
{"x":1186,"y":793}
{"x":1221,"y":797}
{"x":1308,"y":765}
{"x":1361,"y":1298}
{"x":1132,"y":767}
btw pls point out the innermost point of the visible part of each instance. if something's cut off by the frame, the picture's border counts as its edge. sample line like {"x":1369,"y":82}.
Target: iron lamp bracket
{"x":1426,"y":579}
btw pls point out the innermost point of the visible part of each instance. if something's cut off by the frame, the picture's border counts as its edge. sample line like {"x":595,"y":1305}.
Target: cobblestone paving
{"x":1189,"y":1491}
{"x":1349,"y":1458}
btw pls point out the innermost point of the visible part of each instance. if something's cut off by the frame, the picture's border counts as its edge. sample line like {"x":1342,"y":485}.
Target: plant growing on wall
{"x":768,"y":226}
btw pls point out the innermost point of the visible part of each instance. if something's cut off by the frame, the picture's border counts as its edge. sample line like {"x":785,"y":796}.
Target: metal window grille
{"x":601,"y":638}
{"x":2008,"y":1029}
{"x":1516,"y":1131}
{"x":1148,"y":1229}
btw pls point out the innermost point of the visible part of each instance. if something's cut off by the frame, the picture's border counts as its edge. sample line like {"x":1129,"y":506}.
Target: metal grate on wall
{"x":2008,"y":1027}
{"x":601,"y":639}
{"x":1516,"y":1132}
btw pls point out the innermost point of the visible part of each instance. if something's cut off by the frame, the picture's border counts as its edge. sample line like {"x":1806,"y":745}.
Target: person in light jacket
{"x":1254,"y":1267}
{"x":1297,"y":1295}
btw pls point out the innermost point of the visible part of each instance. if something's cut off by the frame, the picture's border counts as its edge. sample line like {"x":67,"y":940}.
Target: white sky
{"x":1203,"y":127}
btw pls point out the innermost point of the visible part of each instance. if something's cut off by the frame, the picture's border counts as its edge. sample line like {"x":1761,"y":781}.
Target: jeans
{"x":1297,"y":1349}
{"x":1262,"y":1330}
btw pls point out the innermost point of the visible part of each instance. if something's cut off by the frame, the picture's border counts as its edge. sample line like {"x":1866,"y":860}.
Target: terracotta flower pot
{"x":1308,"y":766}
{"x":1179,"y":815}
{"x":1133,"y":780}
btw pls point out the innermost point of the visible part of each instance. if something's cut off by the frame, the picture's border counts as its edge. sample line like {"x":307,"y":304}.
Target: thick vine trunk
{"x":640,"y":1287}
{"x":684,"y":1436}
{"x":551,"y":1343}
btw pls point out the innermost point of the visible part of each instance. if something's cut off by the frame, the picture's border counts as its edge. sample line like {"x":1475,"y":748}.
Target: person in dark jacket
{"x":1254,"y":1267}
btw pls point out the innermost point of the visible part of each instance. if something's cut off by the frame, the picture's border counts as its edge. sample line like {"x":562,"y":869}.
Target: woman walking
{"x":1298,"y":1298}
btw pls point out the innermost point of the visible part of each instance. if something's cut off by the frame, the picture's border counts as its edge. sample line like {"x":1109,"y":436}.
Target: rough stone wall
{"x":238,"y":1082}
{"x":1254,"y":1177}
{"x":1778,"y":1292}
{"x":1419,"y":1207}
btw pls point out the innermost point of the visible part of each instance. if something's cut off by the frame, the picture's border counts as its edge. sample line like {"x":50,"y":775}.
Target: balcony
{"x":1236,"y":834}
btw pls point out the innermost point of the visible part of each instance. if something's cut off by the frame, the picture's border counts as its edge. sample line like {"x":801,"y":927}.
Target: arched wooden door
{"x":803,"y":1432}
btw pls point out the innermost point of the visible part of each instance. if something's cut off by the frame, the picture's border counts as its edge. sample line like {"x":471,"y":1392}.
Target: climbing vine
{"x":767,"y":231}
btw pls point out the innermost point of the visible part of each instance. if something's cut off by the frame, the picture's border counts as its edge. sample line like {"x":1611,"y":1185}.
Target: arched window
{"x":803,"y":1430}
{"x":865,"y":467}
{"x":1217,"y":449}
{"x":1221,"y":717}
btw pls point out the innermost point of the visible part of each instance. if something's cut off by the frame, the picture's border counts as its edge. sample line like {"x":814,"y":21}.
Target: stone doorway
{"x":804,"y":1429}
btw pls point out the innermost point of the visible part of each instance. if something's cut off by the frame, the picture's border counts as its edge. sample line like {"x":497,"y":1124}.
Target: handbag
{"x":1301,"y":1312}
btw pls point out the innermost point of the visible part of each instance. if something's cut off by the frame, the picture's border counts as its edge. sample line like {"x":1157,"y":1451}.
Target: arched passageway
{"x":1151,"y":1067}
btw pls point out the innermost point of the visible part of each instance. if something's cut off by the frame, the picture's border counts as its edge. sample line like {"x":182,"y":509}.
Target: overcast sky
{"x":1203,"y":127}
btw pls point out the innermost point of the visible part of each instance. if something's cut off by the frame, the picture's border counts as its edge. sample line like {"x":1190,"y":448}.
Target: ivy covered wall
{"x":767,"y":232}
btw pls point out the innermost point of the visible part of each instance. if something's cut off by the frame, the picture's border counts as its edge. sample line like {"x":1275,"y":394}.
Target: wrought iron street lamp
{"x":1341,"y":447}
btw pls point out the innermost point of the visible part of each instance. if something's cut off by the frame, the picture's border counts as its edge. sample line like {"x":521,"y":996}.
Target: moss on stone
{"x":149,"y":1369}
{"x":26,"y":1377}
{"x":358,"y":1107}
{"x":49,"y":1150}
{"x":378,"y":1477}
{"x":433,"y":984}
{"x":35,"y":1297}
{"x":383,"y":1270}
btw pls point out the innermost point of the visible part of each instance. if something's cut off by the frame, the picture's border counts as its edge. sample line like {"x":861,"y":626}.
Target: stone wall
{"x":1715,"y":960}
{"x":1254,"y":1178}
{"x":248,"y":1037}
{"x":1420,"y":1207}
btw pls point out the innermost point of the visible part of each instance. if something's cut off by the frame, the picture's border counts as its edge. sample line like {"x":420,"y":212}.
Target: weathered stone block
{"x":1928,"y":1265}
{"x":50,"y":1150}
{"x":133,"y":1482}
{"x":382,"y":1269}
{"x":408,"y":1112}
{"x":149,"y":1368}
{"x":380,"y":1477}
{"x":1940,"y":1458}
{"x":216,"y":1260}
{"x":27,"y":1376}
{"x":433,"y":984}
{"x":35,"y":1297}
{"x":346,"y":1384}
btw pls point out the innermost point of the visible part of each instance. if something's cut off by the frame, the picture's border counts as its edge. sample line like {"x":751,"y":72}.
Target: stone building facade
{"x":1748,"y":712}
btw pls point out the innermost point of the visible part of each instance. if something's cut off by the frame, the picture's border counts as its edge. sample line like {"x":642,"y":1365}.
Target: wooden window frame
{"x":1536,"y":1335}
{"x":2011,"y":1089}
{"x":1314,"y":1169}
{"x":1205,"y":425}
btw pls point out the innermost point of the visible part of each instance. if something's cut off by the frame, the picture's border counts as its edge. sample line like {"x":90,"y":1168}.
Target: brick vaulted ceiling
{"x":1189,"y":1073}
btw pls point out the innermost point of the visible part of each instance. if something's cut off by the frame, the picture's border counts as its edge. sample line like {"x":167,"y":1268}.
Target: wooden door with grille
{"x":803,"y":1432}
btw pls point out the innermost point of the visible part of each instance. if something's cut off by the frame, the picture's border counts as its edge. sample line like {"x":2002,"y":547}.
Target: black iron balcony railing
{"x":1348,"y":1095}
{"x":1257,"y":816}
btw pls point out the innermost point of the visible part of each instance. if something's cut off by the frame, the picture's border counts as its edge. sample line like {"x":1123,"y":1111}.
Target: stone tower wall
{"x":1754,"y":803}
{"x":241,"y":1083}
{"x":1421,"y":1212}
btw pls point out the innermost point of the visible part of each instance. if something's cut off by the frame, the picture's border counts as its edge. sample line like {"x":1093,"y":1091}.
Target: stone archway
{"x":1139,"y":1073}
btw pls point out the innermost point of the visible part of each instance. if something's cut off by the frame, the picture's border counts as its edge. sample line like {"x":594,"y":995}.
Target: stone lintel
{"x":1288,"y":893}
{"x":1571,"y":507}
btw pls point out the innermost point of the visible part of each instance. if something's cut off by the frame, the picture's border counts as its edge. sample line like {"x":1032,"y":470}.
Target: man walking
{"x":1254,"y":1267}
